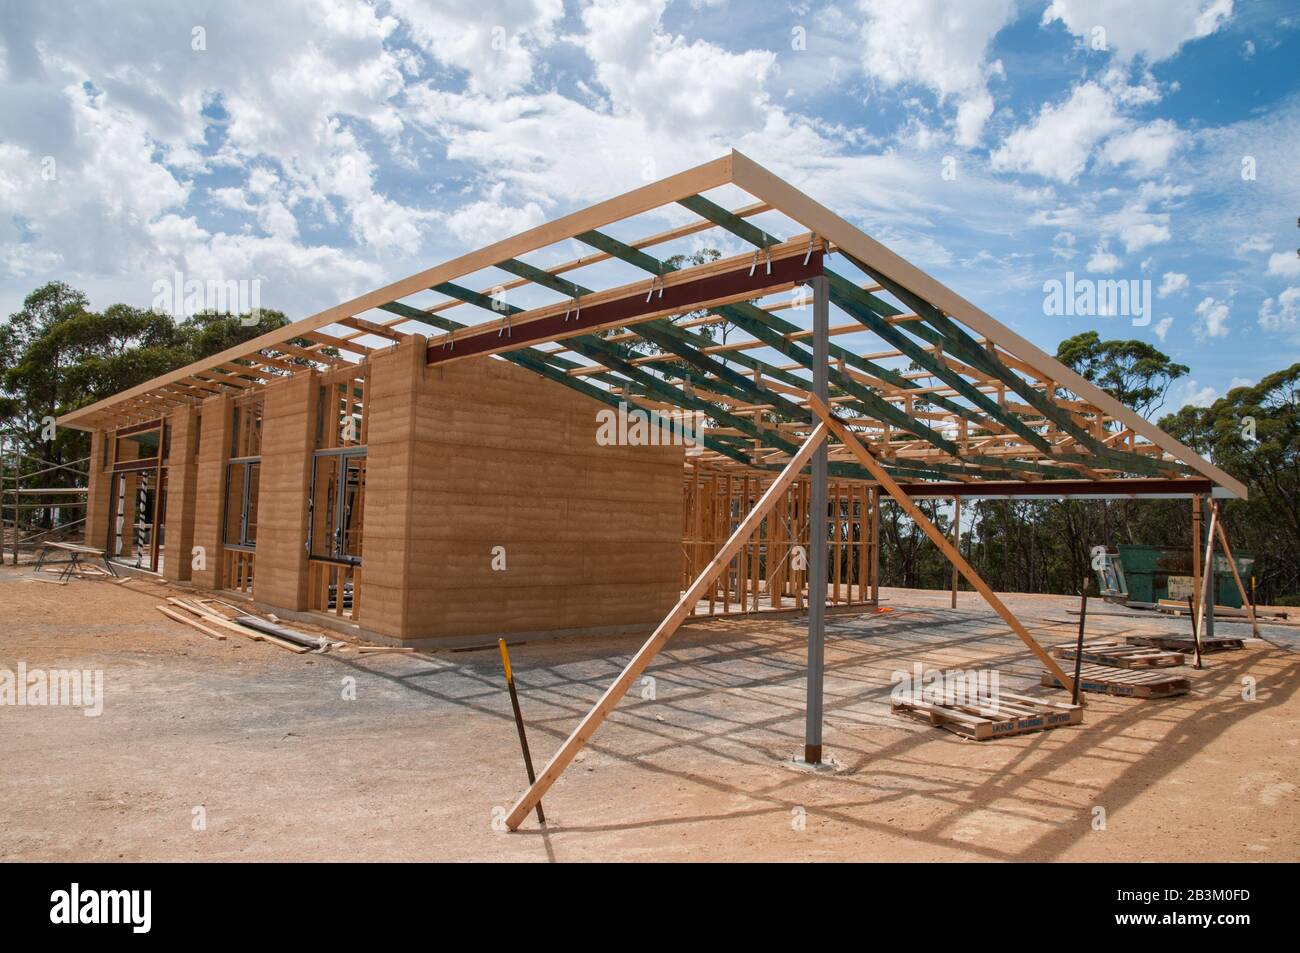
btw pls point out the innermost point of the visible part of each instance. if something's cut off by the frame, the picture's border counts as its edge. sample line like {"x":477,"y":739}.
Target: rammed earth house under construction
{"x":425,"y":458}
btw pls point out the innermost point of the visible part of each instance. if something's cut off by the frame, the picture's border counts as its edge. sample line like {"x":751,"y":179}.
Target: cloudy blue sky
{"x":327,"y":146}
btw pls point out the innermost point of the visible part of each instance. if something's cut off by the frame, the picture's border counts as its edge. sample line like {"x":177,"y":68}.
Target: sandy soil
{"x":421,"y":765}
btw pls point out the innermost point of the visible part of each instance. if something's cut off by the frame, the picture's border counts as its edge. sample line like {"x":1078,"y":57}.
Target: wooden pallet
{"x":1011,"y":714}
{"x":1185,"y":643}
{"x":1127,"y":682}
{"x":1120,"y":654}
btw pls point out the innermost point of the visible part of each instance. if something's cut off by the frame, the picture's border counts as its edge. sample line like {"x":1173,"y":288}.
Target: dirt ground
{"x":263,"y":745}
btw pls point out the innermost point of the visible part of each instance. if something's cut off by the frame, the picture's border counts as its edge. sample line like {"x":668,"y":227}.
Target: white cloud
{"x":492,"y":218}
{"x":1141,"y":234}
{"x":1197,"y":396}
{"x":283,"y":266}
{"x":1143,"y":150}
{"x":1213,"y":321}
{"x":669,"y":82}
{"x":1282,"y":312}
{"x":1136,"y":226}
{"x":1058,"y":143}
{"x":106,"y":186}
{"x":139,"y":115}
{"x":1063,"y":245}
{"x":941,"y":46}
{"x":493,"y":40}
{"x":1154,"y":29}
{"x":1241,"y":209}
{"x":972,"y":114}
{"x":1162,"y":328}
{"x":1095,"y":123}
{"x":1103,"y":260}
{"x":1171,"y":282}
{"x":1284,"y":263}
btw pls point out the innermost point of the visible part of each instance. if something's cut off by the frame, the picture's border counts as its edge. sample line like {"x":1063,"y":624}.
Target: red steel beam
{"x":632,"y":307}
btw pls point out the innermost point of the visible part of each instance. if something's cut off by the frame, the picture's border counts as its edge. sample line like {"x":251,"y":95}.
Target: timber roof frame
{"x":976,"y":404}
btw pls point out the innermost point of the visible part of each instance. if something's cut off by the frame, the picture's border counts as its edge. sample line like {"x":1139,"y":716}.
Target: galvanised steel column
{"x":812,"y":749}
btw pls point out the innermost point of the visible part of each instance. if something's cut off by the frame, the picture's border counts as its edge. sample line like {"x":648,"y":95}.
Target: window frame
{"x":336,"y":553}
{"x":243,"y":543}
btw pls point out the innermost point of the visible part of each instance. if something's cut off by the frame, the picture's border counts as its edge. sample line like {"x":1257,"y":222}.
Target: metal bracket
{"x":575,"y":309}
{"x":659,"y":280}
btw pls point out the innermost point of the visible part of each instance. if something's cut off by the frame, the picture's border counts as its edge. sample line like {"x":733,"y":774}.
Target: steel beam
{"x":627,"y":309}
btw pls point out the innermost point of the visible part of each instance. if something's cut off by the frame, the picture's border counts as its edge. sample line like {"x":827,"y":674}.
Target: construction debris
{"x":316,"y":643}
{"x":202,"y":609}
{"x":191,"y":622}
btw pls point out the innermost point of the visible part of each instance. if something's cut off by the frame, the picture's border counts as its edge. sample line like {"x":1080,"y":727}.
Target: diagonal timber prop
{"x":854,"y":446}
{"x":1246,"y":600}
{"x":627,"y":678}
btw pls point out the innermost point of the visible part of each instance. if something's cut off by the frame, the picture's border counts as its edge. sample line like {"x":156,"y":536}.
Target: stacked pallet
{"x":991,"y":717}
{"x":1126,"y":682}
{"x":1186,"y":643}
{"x":1120,"y":654}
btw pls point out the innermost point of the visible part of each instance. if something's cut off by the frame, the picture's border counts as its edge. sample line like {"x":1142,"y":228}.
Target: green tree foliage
{"x":1254,"y":434}
{"x":57,"y":354}
{"x":1133,"y":372}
